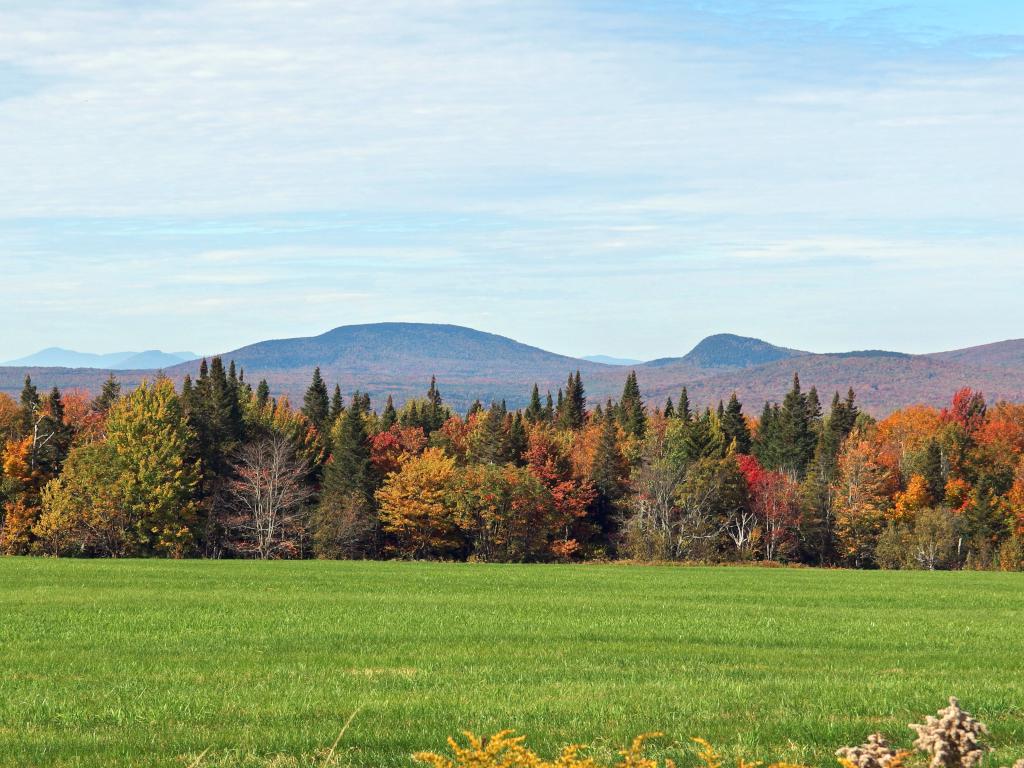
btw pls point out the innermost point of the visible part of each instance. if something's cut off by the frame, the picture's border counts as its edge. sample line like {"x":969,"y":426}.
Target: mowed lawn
{"x":148,"y":663}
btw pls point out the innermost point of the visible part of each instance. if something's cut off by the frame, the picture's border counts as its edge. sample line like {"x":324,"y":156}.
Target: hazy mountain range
{"x":609,"y":360}
{"x":56,"y":357}
{"x":399,"y":359}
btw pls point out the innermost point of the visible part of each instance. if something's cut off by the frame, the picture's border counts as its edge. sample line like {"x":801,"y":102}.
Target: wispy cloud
{"x":262,"y":168}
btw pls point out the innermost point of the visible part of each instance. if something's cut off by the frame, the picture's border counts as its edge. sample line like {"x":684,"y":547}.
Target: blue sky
{"x":614,"y":177}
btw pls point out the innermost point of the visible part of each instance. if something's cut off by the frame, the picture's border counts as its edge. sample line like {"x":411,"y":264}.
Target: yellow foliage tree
{"x":416,"y":508}
{"x":864,"y":490}
{"x":152,"y":440}
{"x":915,"y":497}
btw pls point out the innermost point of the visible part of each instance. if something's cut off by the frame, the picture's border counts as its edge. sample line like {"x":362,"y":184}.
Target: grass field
{"x":147,"y":663}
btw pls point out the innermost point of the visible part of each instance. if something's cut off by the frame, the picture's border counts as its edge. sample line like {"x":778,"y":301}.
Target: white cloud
{"x":451,"y":157}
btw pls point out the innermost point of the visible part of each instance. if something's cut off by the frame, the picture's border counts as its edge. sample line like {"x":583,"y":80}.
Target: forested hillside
{"x":225,"y":469}
{"x":394,"y":359}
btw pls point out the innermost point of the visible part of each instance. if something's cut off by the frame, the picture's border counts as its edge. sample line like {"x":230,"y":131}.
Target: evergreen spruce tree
{"x":934,"y":472}
{"x":734,"y":425}
{"x":607,"y":474}
{"x":389,"y":416}
{"x":768,"y":447}
{"x":573,"y":406}
{"x":487,"y":441}
{"x":518,"y":441}
{"x":346,"y":506}
{"x":798,"y":439}
{"x":437,"y":414}
{"x":109,"y":394}
{"x":683,"y":409}
{"x":475,"y":408}
{"x":30,"y":405}
{"x":337,"y":405}
{"x":670,"y":409}
{"x":316,"y":404}
{"x":632,"y":416}
{"x":364,"y":402}
{"x":222,"y":401}
{"x":49,"y":456}
{"x":262,"y":394}
{"x":534,"y":411}
{"x":549,"y":409}
{"x":702,"y":438}
{"x":349,"y":468}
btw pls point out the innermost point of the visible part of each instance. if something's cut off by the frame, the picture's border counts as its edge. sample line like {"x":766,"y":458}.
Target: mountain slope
{"x":609,"y":360}
{"x":56,"y":357}
{"x":998,"y":355}
{"x":883,"y":382}
{"x":68,"y":358}
{"x":728,"y":351}
{"x":399,"y":359}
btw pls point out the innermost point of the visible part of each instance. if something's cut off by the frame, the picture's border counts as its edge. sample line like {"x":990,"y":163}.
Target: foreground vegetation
{"x":224,"y":470}
{"x":130,"y":663}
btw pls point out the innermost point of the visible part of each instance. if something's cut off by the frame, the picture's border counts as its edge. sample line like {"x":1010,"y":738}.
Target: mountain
{"x":399,"y":359}
{"x":1000,"y":354}
{"x":608,"y":360}
{"x":154,"y":359}
{"x":882,"y":381}
{"x":727,"y":351}
{"x":57,"y":357}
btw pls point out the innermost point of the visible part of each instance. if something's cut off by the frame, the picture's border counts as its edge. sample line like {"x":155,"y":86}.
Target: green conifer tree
{"x":632,"y":415}
{"x":337,"y":405}
{"x":670,"y":409}
{"x":734,"y":425}
{"x":683,"y":409}
{"x":389,"y":416}
{"x":534,"y":411}
{"x":262,"y":394}
{"x":110,"y":393}
{"x":316,"y":403}
{"x":608,"y":475}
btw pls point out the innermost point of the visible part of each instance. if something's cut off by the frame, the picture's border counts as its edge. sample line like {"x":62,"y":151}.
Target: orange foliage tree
{"x":416,"y":510}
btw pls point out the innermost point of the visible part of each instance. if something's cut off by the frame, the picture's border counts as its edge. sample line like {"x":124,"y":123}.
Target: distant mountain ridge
{"x":726,"y":350}
{"x":57,"y":357}
{"x":609,"y":360}
{"x":399,"y":359}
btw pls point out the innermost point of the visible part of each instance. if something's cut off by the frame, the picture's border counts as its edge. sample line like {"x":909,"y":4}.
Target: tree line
{"x":219,"y":468}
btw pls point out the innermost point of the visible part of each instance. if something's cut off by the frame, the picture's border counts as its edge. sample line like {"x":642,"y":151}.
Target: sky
{"x":589,"y":177}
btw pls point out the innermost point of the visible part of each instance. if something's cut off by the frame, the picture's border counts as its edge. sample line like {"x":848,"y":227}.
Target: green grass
{"x":147,"y":663}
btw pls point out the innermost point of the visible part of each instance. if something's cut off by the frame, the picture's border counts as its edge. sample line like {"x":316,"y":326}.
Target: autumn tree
{"x":149,"y":433}
{"x":85,"y":511}
{"x":774,"y":502}
{"x":649,"y":526}
{"x":416,"y":511}
{"x":865,"y":489}
{"x":505,"y":512}
{"x":268,"y":491}
{"x":571,"y":497}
